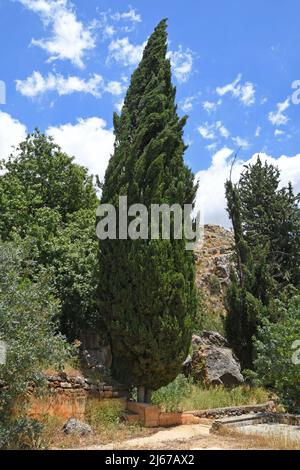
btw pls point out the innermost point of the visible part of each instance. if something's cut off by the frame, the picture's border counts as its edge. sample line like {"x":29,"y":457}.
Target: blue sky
{"x":66,"y":66}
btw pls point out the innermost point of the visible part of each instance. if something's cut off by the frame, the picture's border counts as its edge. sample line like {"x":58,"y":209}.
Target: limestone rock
{"x":213,"y":362}
{"x":75,"y":426}
{"x":213,"y":259}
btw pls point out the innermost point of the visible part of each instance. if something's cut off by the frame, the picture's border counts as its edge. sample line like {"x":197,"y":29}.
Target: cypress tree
{"x":266,"y":224}
{"x":147,"y":293}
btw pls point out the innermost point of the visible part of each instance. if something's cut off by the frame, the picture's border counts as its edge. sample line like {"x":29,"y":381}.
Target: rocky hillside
{"x":213,"y":265}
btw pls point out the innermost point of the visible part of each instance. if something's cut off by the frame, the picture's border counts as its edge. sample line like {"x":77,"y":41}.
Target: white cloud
{"x":278,"y":132}
{"x":130,"y":15}
{"x":69,"y":38}
{"x":119,"y":105}
{"x":240,"y":142}
{"x":223,"y":131}
{"x":211,"y":106}
{"x":210,"y":131}
{"x":114,"y":88}
{"x":182,"y":63}
{"x":257,"y":131}
{"x":89,"y":141}
{"x":36,"y":85}
{"x":122,"y":51}
{"x":12,"y":132}
{"x":245,"y":93}
{"x":211,"y":193}
{"x":187,"y":104}
{"x":207,"y":132}
{"x":212,"y":147}
{"x":278,"y":118}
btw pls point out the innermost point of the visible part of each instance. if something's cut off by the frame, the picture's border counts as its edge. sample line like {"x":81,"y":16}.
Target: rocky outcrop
{"x":212,"y":361}
{"x":213,"y":265}
{"x":75,"y":426}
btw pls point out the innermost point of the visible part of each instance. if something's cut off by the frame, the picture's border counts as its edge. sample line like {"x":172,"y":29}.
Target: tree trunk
{"x":141,"y":394}
{"x":148,"y":395}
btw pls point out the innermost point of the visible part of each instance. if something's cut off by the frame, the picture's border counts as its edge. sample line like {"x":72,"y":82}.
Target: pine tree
{"x":147,"y":292}
{"x":266,"y":224}
{"x":271,"y":216}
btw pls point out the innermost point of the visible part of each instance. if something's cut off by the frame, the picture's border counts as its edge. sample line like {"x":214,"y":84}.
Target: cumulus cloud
{"x":122,"y":51}
{"x":182,"y":63}
{"x":245,"y":93}
{"x":211,"y":106}
{"x":211,"y":131}
{"x":278,"y":118}
{"x":211,"y":193}
{"x":69,"y":38}
{"x":114,"y":88}
{"x":88,"y":140}
{"x":187,"y":104}
{"x":240,"y":142}
{"x":130,"y":15}
{"x":12,"y":132}
{"x":37,"y":85}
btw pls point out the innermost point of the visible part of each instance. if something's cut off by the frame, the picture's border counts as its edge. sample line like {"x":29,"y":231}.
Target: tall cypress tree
{"x":147,"y":292}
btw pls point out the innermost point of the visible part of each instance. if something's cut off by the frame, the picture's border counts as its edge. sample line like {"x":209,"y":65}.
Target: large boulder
{"x":75,"y":426}
{"x":212,"y":361}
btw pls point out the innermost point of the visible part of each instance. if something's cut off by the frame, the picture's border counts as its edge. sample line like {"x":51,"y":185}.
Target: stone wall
{"x":68,"y":396}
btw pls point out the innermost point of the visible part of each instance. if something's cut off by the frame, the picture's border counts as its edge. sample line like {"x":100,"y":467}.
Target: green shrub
{"x":28,"y":313}
{"x":171,"y":396}
{"x":278,"y":354}
{"x":214,"y":285}
{"x":104,"y":413}
{"x":207,"y":318}
{"x":21,"y":434}
{"x":182,"y":395}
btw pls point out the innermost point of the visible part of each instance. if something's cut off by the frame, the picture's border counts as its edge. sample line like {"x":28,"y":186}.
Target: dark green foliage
{"x":76,"y":272}
{"x":278,"y":353}
{"x":28,"y":311}
{"x":271,"y":218}
{"x":41,"y":176}
{"x":50,"y":201}
{"x":266,"y":223}
{"x":21,"y":434}
{"x":147,"y":293}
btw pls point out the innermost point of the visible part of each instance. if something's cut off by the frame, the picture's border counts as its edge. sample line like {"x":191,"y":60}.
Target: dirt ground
{"x":185,"y":437}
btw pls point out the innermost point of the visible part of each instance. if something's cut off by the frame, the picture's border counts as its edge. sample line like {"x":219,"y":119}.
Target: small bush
{"x":207,"y":318}
{"x":21,"y":434}
{"x":104,"y":413}
{"x":182,"y":395}
{"x":172,"y":396}
{"x":214,"y":285}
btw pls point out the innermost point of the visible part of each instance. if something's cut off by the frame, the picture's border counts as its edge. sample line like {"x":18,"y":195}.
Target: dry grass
{"x":105,"y":418}
{"x":260,"y":442}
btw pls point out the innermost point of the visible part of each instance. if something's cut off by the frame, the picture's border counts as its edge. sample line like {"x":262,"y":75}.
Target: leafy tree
{"x":50,"y":201}
{"x":278,"y":353}
{"x":266,"y":223}
{"x":40,"y":176}
{"x":28,"y":328}
{"x":76,"y":273}
{"x":147,"y":295}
